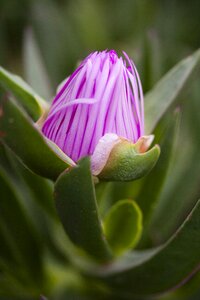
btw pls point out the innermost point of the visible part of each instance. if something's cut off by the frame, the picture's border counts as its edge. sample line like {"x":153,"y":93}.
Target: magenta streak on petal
{"x":66,"y":132}
{"x":68,"y":115}
{"x":134,"y":71}
{"x":99,"y":115}
{"x":134,"y":95}
{"x":141,"y":101}
{"x":125,"y":112}
{"x":130,"y":120}
{"x":130,"y":108}
{"x":113,"y":56}
{"x":75,"y":92}
{"x":65,"y":120}
{"x":83,"y":111}
{"x":105,"y":103}
{"x":73,"y":126}
{"x":114,"y":102}
{"x":66,"y":84}
{"x":134,"y":80}
{"x":75,"y":102}
{"x":101,"y":82}
{"x":65,"y":97}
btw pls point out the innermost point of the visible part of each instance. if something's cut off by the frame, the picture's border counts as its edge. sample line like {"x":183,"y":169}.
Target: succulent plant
{"x":75,"y":221}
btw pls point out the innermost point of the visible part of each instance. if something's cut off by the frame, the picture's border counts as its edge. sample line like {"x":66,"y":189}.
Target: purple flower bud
{"x":104,"y":95}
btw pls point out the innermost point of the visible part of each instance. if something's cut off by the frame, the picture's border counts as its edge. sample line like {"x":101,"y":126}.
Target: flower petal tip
{"x":102,"y":152}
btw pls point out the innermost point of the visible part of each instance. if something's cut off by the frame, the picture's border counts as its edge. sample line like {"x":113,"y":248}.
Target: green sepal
{"x":125,"y":163}
{"x":77,"y":208}
{"x":23,"y":137}
{"x":32,"y":103}
{"x":123,"y":226}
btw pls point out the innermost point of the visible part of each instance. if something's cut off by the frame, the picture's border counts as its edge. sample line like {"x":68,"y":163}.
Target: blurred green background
{"x":155,"y":33}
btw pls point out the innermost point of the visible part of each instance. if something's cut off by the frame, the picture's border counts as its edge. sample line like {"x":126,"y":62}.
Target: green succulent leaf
{"x":166,"y":135}
{"x":125,"y":163}
{"x":123,"y":226}
{"x":32,"y":103}
{"x":182,"y":184}
{"x":35,"y":70}
{"x":77,"y":209}
{"x":23,"y":179}
{"x":19,"y":241}
{"x":167,"y":90}
{"x":36,"y":196}
{"x":154,"y":271}
{"x":23,"y":137}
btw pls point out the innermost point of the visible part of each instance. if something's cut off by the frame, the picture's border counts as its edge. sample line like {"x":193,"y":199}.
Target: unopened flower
{"x":103,"y":96}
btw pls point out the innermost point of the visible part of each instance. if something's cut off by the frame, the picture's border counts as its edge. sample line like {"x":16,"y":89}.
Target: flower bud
{"x":103,"y":96}
{"x":99,"y":111}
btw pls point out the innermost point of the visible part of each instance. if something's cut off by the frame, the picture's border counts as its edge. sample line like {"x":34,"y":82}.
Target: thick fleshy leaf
{"x":19,"y":242}
{"x":166,"y":91}
{"x":182,"y":184}
{"x":77,"y":209}
{"x":125,"y":163}
{"x":123,"y":226}
{"x":166,"y":135}
{"x":32,"y":187}
{"x":23,"y":137}
{"x":36,"y":196}
{"x":31,"y":102}
{"x":154,"y":271}
{"x":34,"y":67}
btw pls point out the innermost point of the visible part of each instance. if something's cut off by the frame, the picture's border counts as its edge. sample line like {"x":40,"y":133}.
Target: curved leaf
{"x":31,"y":102}
{"x":19,"y":242}
{"x":22,"y":136}
{"x":166,"y":135}
{"x":36,"y":196}
{"x":35,"y":71}
{"x":123,"y":226}
{"x":166,"y":91}
{"x":77,"y":209}
{"x":150,"y":272}
{"x":23,"y":179}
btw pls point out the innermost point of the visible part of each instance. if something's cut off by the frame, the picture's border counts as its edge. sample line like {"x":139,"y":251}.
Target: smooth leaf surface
{"x":19,"y":243}
{"x":31,"y":102}
{"x":35,"y":71}
{"x":150,"y":272}
{"x":182,"y":184}
{"x":166,"y":135}
{"x":22,"y":136}
{"x":77,"y":209}
{"x":36,"y":196}
{"x":23,"y":179}
{"x":166,"y":91}
{"x":126,"y":164}
{"x":123,"y":226}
